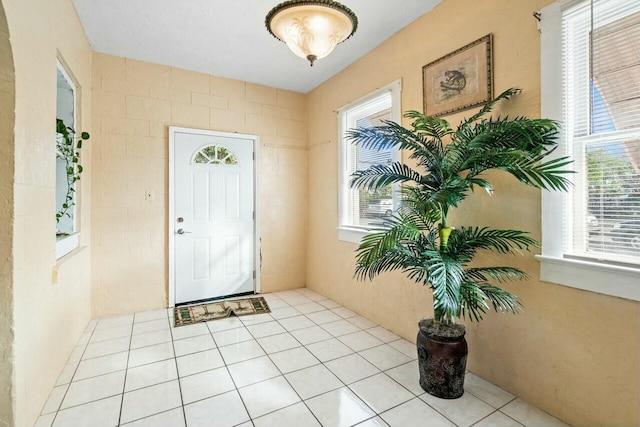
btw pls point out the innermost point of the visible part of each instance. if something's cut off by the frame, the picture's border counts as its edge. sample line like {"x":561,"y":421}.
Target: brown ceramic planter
{"x":442,"y":359}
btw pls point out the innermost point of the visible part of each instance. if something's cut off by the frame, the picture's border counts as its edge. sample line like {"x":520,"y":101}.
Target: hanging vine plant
{"x":68,"y":149}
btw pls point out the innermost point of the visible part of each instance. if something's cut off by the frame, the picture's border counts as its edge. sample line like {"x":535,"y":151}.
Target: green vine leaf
{"x":65,"y":141}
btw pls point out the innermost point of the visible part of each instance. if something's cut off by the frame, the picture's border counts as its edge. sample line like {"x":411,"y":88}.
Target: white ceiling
{"x":228,"y":38}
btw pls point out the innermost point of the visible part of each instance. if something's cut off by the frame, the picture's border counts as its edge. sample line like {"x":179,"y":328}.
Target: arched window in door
{"x":214,"y":155}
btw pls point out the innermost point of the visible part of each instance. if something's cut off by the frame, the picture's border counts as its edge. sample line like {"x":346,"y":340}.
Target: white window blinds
{"x":360,"y":209}
{"x":601,"y":81}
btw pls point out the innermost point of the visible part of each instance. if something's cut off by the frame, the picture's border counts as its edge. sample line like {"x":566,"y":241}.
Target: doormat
{"x":219,"y":310}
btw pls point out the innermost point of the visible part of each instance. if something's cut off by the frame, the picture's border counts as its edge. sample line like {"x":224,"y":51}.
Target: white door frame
{"x":170,"y":226}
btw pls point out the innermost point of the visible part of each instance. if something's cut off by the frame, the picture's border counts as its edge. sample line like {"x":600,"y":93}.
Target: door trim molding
{"x":256,"y":203}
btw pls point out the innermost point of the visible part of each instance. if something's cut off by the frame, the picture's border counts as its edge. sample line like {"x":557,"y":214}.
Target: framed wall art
{"x":460,"y":80}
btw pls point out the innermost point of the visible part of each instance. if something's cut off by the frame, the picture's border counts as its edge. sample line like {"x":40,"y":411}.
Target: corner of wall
{"x":40,"y":32}
{"x":7,"y":168}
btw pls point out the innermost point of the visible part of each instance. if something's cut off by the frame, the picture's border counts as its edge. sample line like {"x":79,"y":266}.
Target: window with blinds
{"x":601,"y":82}
{"x":360,"y":209}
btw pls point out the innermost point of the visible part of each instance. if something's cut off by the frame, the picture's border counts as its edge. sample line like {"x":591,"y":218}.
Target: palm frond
{"x":477,"y":297}
{"x":482,"y":183}
{"x":376,"y":248}
{"x":466,"y":241}
{"x":472,"y":301}
{"x":393,"y":259}
{"x":429,"y":125}
{"x":501,"y":300}
{"x":431,"y":204}
{"x":486,"y":109}
{"x":531,"y":170}
{"x":500,"y":274}
{"x":533,"y":135}
{"x":547,"y":175}
{"x":426,"y":151}
{"x":387,"y":136}
{"x":445,"y":275}
{"x":417,"y":201}
{"x":431,"y":156}
{"x":380,"y":176}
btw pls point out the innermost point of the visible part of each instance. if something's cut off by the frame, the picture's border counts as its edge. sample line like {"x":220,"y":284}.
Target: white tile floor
{"x":310,"y":362}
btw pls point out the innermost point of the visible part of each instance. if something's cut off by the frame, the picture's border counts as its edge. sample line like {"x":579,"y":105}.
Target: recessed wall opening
{"x":67,"y":225}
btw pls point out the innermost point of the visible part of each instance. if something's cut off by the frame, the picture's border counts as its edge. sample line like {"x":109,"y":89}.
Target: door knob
{"x":181,"y":231}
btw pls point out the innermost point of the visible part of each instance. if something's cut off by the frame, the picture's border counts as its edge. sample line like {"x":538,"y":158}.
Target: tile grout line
{"x":498,"y":410}
{"x":244,"y":326}
{"x":72,"y":375}
{"x":484,"y":418}
{"x":285,"y":378}
{"x":226,"y":366}
{"x":218,"y":394}
{"x":136,"y":348}
{"x":484,"y":401}
{"x":428,"y":404}
{"x":71,"y":382}
{"x":156,"y":384}
{"x":277,"y":368}
{"x":268,"y":355}
{"x":384,"y":371}
{"x":509,"y":416}
{"x":152,"y":415}
{"x":437,"y":411}
{"x":414,"y":396}
{"x":254,"y":338}
{"x":175,"y":361}
{"x":514,"y":398}
{"x":124,"y":383}
{"x":257,"y":382}
{"x":362,"y":379}
{"x":376,"y":414}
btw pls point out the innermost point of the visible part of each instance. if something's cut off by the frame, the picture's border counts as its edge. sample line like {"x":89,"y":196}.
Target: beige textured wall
{"x":7,"y":122}
{"x":566,"y":353}
{"x":134,"y":103}
{"x":49,"y":312}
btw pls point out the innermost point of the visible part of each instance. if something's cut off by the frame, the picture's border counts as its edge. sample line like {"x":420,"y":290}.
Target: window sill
{"x":353,"y":234}
{"x":65,"y":244}
{"x":607,"y":279}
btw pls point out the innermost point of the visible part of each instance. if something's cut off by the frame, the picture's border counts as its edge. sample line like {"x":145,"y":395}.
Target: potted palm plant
{"x":418,"y":238}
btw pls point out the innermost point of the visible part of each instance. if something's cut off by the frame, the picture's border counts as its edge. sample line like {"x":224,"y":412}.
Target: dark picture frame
{"x":460,"y":80}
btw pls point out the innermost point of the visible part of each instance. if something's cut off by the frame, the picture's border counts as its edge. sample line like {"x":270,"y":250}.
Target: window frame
{"x":592,"y":275}
{"x":66,"y":244}
{"x":349,"y":232}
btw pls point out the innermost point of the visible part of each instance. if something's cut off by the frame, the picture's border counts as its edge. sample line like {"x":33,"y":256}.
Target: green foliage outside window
{"x":68,"y":149}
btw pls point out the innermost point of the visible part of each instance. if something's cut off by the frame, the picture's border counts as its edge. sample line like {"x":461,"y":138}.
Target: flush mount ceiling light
{"x":311,"y":29}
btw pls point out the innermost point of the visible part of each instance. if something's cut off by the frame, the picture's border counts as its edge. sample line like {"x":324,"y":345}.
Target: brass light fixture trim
{"x":302,"y":37}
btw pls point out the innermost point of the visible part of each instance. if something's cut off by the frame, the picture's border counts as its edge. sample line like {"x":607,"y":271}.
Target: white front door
{"x":213,"y":218}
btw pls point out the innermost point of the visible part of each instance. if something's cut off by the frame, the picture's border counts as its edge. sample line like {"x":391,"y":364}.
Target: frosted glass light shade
{"x":311,"y":29}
